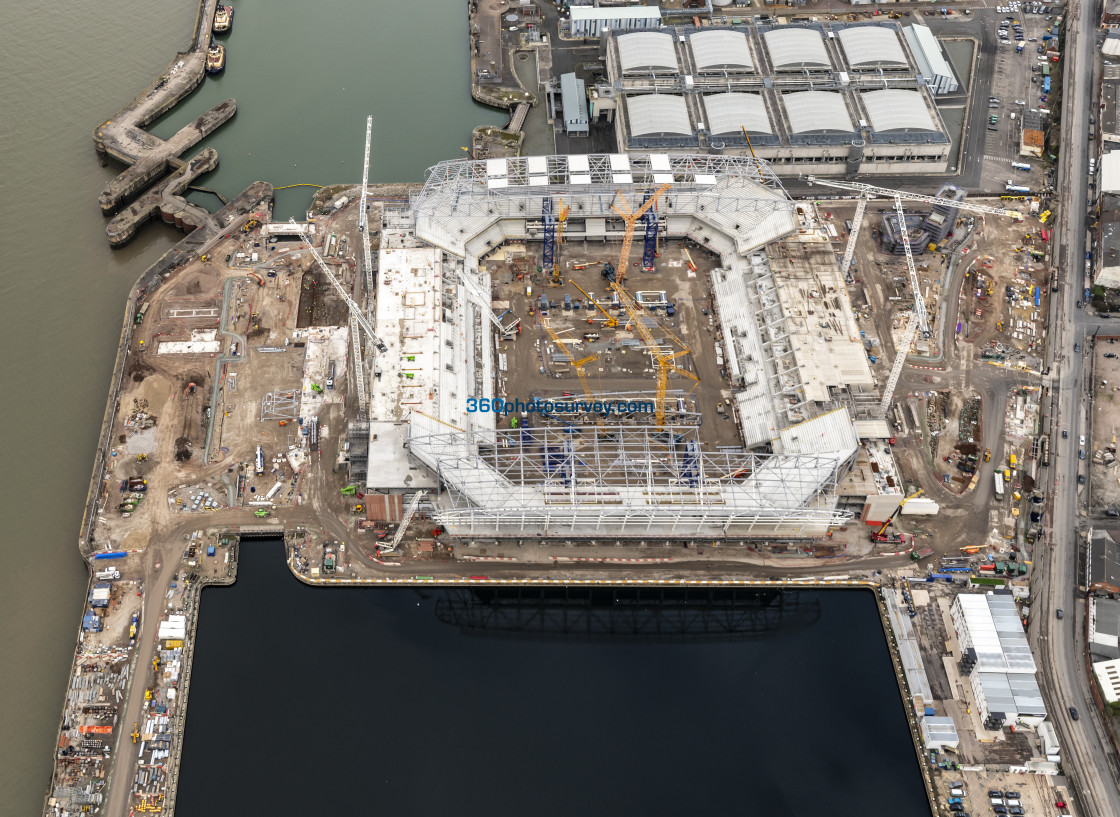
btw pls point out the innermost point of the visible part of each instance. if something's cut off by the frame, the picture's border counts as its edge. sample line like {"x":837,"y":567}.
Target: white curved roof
{"x":893,"y":110}
{"x":714,"y":50}
{"x":791,"y":47}
{"x":727,"y":113}
{"x":644,"y":50}
{"x":652,"y":114}
{"x":866,"y":45}
{"x":810,"y":111}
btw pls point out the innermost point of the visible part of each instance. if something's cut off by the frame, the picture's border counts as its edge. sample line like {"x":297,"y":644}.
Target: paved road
{"x":1058,"y":644}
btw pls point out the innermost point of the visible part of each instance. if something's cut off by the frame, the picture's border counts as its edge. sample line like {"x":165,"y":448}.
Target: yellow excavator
{"x":135,"y":732}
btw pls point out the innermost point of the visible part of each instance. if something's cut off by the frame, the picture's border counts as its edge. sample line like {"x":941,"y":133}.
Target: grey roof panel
{"x":791,"y":47}
{"x":815,"y":111}
{"x":652,"y":114}
{"x":867,"y":45}
{"x":728,"y":113}
{"x":714,"y":50}
{"x":894,"y":109}
{"x":645,"y":51}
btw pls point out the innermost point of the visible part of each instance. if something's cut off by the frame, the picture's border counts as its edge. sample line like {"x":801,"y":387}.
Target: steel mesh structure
{"x":464,"y":199}
{"x":587,"y":481}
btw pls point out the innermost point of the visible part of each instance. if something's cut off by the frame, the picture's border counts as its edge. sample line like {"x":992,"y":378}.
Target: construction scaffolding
{"x":626,"y":481}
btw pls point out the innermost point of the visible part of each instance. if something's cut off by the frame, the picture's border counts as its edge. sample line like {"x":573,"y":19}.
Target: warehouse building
{"x":935,"y":69}
{"x":573,"y":99}
{"x":590,"y":21}
{"x":839,"y":99}
{"x":996,"y":658}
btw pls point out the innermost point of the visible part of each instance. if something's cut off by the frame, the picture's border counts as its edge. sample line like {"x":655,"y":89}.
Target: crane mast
{"x":631,"y":219}
{"x":410,"y":511}
{"x":355,"y":310}
{"x":919,"y":321}
{"x":576,"y":364}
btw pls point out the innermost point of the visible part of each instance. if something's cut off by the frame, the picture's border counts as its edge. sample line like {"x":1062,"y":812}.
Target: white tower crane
{"x":919,"y":319}
{"x":357,"y":318}
{"x":410,"y":511}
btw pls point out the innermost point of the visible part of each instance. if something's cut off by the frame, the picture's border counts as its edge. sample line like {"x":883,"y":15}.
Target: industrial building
{"x":1104,"y":562}
{"x":573,"y":100}
{"x":791,"y":356}
{"x":591,"y":21}
{"x":996,"y":658}
{"x":936,"y":70}
{"x":1107,"y":674}
{"x":828,"y":99}
{"x":1104,"y":629}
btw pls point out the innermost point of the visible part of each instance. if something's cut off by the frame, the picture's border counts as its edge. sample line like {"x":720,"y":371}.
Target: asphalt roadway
{"x":1060,"y":646}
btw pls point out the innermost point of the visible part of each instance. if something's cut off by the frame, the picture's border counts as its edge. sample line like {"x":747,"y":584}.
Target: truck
{"x":1021,"y":165}
{"x":107,"y":573}
{"x":330,"y":375}
{"x":921,"y":553}
{"x":999,"y":486}
{"x":260,"y":462}
{"x":1017,"y":188}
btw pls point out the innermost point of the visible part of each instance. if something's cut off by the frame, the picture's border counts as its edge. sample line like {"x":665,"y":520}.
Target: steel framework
{"x":627,"y":481}
{"x":279,"y":405}
{"x":738,"y":195}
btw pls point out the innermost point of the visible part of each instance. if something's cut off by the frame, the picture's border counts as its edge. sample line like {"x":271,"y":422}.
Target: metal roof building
{"x":728,"y":113}
{"x":590,"y":21}
{"x":939,"y":732}
{"x":1108,"y":678}
{"x":897,"y":110}
{"x":647,"y":51}
{"x":573,"y":98}
{"x":931,"y":62}
{"x":720,"y":50}
{"x":1104,"y":629}
{"x":658,"y":115}
{"x":794,"y":48}
{"x":817,"y":112}
{"x":997,"y":659}
{"x":867,"y":46}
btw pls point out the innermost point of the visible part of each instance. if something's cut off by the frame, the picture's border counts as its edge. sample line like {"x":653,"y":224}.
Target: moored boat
{"x":215,"y":59}
{"x":223,"y":19}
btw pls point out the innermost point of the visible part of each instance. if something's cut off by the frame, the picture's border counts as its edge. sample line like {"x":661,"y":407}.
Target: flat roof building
{"x":1107,"y":674}
{"x":591,"y":21}
{"x":926,"y":48}
{"x":1104,"y":562}
{"x":573,"y":99}
{"x":997,"y":660}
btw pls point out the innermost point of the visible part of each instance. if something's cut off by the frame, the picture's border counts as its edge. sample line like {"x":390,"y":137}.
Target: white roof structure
{"x":727,"y":113}
{"x":938,"y":732}
{"x":814,"y":111}
{"x":1016,"y":695}
{"x":927,"y":53}
{"x":894,"y":109}
{"x":795,"y":47}
{"x":1108,"y":677}
{"x":868,"y":45}
{"x":644,"y":51}
{"x":990,"y":625}
{"x":652,"y":114}
{"x":1110,"y":172}
{"x":717,"y":50}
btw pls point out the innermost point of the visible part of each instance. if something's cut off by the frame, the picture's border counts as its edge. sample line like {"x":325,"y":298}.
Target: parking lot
{"x":1023,"y":56}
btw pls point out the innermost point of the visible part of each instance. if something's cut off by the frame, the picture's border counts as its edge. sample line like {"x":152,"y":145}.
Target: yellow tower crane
{"x":663,"y":359}
{"x":609,"y":321}
{"x":561,"y":217}
{"x":631,"y":220}
{"x":576,"y":364}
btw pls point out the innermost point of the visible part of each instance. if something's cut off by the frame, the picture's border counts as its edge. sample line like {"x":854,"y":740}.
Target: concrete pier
{"x":166,"y":199}
{"x":149,"y":158}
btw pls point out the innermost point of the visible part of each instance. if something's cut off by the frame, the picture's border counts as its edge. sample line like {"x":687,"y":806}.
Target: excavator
{"x":135,"y":735}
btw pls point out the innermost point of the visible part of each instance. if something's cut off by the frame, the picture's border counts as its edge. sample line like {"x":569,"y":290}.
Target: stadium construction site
{"x":622,"y":345}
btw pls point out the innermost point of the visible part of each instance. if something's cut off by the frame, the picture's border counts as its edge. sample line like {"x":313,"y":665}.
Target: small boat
{"x":223,"y":19}
{"x":215,"y":59}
